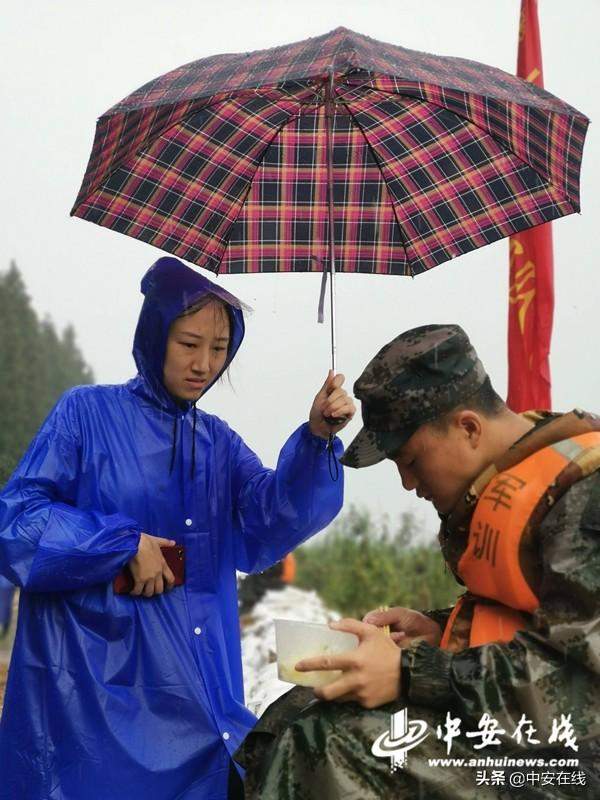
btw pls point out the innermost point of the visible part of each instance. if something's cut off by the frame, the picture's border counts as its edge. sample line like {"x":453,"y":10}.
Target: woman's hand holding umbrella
{"x":332,"y":408}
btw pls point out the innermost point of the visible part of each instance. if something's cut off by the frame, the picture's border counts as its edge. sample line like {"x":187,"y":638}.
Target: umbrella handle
{"x":335,"y":420}
{"x":329,"y":118}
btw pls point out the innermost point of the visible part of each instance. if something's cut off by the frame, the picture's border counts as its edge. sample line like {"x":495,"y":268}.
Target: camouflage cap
{"x":415,"y":378}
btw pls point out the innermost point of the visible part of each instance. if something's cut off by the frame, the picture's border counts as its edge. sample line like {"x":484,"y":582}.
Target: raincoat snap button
{"x":188,"y":522}
{"x":226,"y":736}
{"x":197,"y":631}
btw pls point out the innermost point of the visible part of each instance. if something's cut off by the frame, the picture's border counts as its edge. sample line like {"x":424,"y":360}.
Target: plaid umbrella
{"x":229,"y":162}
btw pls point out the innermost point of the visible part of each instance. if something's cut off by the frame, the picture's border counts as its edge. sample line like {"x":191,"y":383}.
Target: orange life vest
{"x":508,"y":511}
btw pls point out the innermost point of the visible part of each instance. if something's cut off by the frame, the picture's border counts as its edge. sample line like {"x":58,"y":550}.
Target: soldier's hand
{"x":406,"y":625}
{"x":151,"y":573}
{"x":331,"y":403}
{"x":371,"y":673}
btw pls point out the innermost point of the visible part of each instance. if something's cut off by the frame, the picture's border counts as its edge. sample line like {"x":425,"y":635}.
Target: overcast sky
{"x":65,"y":63}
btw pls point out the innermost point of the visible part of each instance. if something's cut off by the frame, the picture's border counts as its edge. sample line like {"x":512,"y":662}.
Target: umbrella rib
{"x":376,"y":160}
{"x":195,"y":107}
{"x":499,"y":141}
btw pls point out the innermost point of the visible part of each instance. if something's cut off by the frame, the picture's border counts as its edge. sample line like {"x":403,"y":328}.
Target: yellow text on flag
{"x":522,"y":289}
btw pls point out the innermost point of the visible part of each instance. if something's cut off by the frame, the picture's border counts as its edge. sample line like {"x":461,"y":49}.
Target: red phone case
{"x":175,"y":558}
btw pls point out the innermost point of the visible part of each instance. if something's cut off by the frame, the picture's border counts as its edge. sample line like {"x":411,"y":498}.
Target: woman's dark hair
{"x":204,"y":301}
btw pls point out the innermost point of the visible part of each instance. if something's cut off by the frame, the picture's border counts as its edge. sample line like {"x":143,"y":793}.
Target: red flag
{"x":531,"y":287}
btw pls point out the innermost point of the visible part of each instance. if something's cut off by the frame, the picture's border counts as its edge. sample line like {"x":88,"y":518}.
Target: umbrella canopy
{"x":223,"y":161}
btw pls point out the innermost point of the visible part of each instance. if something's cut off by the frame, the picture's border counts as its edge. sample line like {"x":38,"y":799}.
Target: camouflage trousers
{"x":302,"y":749}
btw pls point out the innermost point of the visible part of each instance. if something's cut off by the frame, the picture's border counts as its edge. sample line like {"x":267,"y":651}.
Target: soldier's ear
{"x":469,"y":424}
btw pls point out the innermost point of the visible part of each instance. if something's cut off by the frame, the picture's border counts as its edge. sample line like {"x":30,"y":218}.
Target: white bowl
{"x":297,"y":640}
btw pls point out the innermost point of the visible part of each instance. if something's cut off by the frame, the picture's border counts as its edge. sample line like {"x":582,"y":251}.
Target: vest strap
{"x":490,"y":622}
{"x":495,"y":623}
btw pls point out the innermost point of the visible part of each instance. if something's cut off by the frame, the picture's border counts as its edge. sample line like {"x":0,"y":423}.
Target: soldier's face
{"x":440,"y":464}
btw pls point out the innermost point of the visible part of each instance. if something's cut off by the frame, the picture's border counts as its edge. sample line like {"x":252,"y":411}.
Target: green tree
{"x":360,"y":564}
{"x":37,"y":366}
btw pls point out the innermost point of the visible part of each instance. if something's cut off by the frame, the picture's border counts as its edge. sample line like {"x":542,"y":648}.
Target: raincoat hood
{"x":169,"y":287}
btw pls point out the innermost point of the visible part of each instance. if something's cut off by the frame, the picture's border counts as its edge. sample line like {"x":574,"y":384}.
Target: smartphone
{"x":175,"y":558}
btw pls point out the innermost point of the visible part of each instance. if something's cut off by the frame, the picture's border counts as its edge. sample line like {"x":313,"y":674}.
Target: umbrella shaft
{"x":329,"y":117}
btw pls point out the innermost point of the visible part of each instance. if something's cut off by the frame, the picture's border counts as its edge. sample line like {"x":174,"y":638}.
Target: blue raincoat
{"x":111,"y":696}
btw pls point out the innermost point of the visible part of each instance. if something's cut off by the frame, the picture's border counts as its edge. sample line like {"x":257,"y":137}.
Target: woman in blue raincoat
{"x":140,"y":695}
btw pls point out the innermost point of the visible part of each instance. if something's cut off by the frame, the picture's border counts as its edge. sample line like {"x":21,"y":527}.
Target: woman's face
{"x":196,"y":351}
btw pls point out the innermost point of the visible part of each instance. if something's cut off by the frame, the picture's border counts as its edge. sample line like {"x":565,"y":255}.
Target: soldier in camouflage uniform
{"x":428,"y":405}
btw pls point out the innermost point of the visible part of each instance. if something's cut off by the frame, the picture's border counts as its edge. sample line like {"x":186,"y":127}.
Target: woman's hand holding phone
{"x":151,"y":573}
